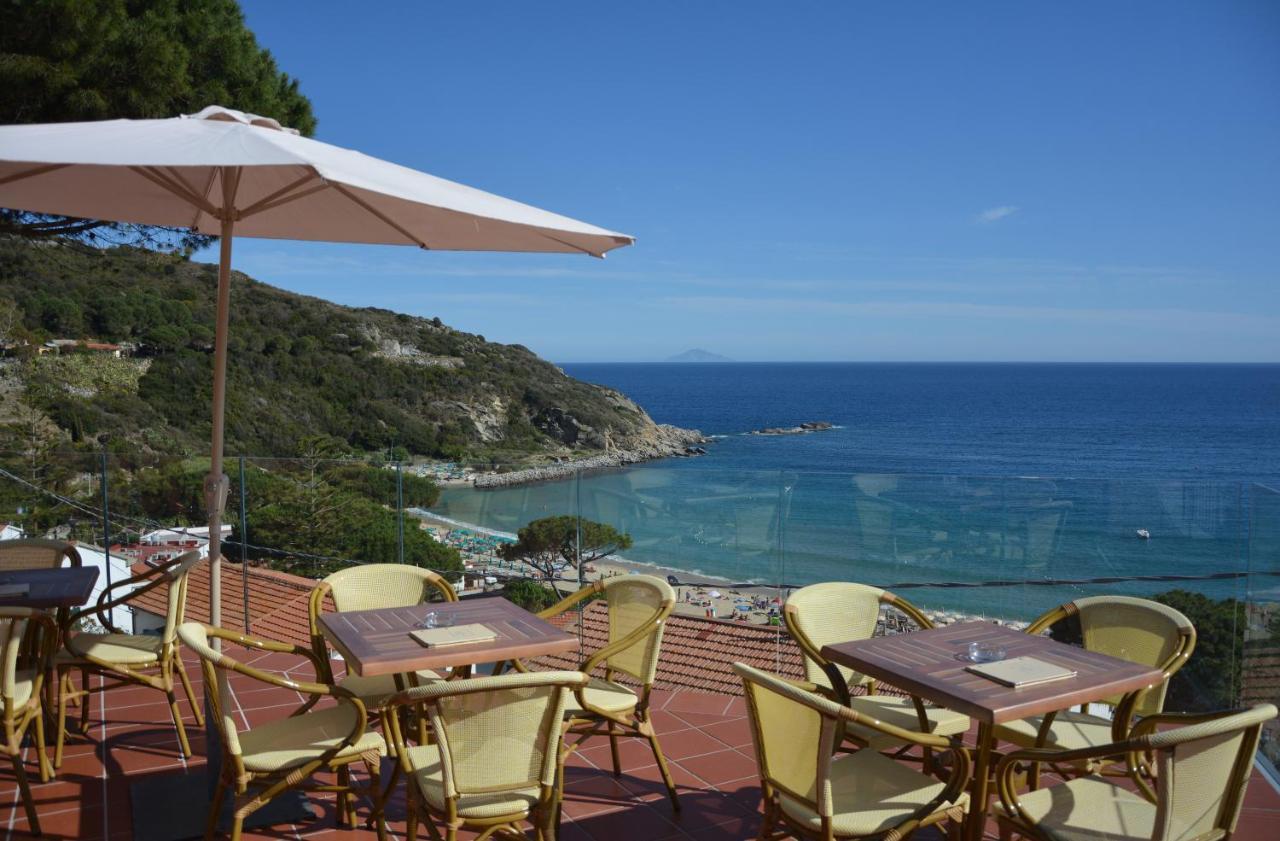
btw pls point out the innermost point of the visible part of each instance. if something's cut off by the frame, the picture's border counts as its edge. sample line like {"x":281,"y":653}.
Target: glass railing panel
{"x":1261,"y":669}
{"x":714,"y":535}
{"x":1009,"y":549}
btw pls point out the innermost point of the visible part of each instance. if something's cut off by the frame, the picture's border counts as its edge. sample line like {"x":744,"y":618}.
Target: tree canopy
{"x":553,"y":544}
{"x":70,"y":60}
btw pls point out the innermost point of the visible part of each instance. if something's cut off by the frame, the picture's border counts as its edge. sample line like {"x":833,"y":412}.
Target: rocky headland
{"x":655,"y":442}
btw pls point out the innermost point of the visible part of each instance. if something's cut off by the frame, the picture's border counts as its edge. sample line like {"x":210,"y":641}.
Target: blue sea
{"x":943,"y":474}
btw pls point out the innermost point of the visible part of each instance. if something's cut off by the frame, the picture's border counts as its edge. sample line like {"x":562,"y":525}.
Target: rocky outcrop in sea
{"x":810,"y":426}
{"x":660,"y":441}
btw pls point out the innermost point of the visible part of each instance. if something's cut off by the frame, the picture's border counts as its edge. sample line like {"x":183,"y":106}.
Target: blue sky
{"x":923,"y":181}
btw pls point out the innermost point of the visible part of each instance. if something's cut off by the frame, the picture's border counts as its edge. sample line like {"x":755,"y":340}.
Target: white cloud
{"x":995,"y":214}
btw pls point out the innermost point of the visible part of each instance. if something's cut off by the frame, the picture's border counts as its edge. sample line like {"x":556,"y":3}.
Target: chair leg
{"x":662,"y":765}
{"x":344,"y":797}
{"x":613,"y":748}
{"x":379,"y":813}
{"x":177,"y":722}
{"x":237,"y":827}
{"x":25,"y":788}
{"x":215,"y":809}
{"x":42,"y":749}
{"x":191,"y":695}
{"x":85,"y":701}
{"x":411,"y":813}
{"x":64,"y":686}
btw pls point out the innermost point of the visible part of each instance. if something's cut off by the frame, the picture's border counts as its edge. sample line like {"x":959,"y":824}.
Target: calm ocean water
{"x":938,"y":473}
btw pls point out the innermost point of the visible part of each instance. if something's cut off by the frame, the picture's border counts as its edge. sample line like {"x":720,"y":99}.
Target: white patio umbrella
{"x":228,"y":173}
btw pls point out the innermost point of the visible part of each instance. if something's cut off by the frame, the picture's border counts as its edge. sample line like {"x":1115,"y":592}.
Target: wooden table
{"x":377,"y":642}
{"x":931,"y":664}
{"x":60,"y":587}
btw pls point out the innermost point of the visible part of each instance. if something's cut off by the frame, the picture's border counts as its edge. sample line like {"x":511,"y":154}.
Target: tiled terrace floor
{"x":705,"y":737}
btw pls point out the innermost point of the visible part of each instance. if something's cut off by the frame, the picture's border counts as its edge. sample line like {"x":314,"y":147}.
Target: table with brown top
{"x":378,"y":642}
{"x":931,"y":664}
{"x":60,"y":587}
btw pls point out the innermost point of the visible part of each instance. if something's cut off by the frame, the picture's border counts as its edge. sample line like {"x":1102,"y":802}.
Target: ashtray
{"x":983,"y":652}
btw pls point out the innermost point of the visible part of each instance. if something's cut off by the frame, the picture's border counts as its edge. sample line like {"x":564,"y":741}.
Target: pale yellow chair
{"x":1201,"y":770}
{"x":839,"y":611}
{"x":638,"y":608}
{"x":814,"y":791}
{"x":369,"y":587}
{"x":28,"y":639}
{"x":497,"y":758}
{"x":1137,"y":630}
{"x":151,"y":660}
{"x":260,"y":763}
{"x":37,"y":553}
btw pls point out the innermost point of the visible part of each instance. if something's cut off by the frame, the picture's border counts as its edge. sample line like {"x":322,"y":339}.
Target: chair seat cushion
{"x":375,"y":691}
{"x":1070,"y":730}
{"x":900,"y":712}
{"x":602,"y":695}
{"x":429,"y":777}
{"x":1088,"y":808}
{"x":129,"y":649}
{"x":288,"y":742}
{"x":870,"y":794}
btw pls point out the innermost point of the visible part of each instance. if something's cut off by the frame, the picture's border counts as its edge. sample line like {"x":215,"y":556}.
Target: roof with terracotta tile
{"x":277,"y":601}
{"x":697,"y":653}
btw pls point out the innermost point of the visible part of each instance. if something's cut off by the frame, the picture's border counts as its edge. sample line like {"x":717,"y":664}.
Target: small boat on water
{"x":1144,"y":534}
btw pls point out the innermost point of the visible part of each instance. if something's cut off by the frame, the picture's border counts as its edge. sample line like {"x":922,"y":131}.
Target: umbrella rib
{"x":570,"y":244}
{"x":264,"y":205}
{"x":381,"y":216}
{"x":31,"y":173}
{"x":268,"y":201}
{"x":177,"y":189}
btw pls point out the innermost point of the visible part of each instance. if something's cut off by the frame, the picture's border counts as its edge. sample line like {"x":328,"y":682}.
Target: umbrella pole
{"x":216,"y":483}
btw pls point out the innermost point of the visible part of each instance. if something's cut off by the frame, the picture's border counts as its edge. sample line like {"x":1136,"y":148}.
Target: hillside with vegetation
{"x":302,"y":371}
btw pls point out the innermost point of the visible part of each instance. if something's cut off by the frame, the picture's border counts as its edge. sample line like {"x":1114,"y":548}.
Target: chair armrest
{"x":924,"y":740}
{"x":572,"y":599}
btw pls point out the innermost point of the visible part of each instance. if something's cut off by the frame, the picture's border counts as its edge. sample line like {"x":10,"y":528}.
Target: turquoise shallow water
{"x":939,"y":474}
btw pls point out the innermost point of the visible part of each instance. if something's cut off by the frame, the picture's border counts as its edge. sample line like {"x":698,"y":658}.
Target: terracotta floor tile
{"x":703,"y":809}
{"x":736,"y":733}
{"x":697,"y":702}
{"x":736,"y":829}
{"x":636,"y":821}
{"x":690,"y":743}
{"x":1261,"y":795}
{"x":720,"y":766}
{"x":632,"y":753}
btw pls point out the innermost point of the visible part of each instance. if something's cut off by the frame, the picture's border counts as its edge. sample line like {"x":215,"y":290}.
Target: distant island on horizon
{"x":697,"y":355}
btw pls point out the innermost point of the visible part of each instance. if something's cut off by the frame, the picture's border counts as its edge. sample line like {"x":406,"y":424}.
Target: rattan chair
{"x":839,"y":611}
{"x":496,"y":760}
{"x":260,"y":763}
{"x":128,"y":659}
{"x":1137,"y":630}
{"x":37,"y":553}
{"x":28,"y":639}
{"x":638,"y":609}
{"x":814,"y":791}
{"x":368,"y":587}
{"x":1201,"y":770}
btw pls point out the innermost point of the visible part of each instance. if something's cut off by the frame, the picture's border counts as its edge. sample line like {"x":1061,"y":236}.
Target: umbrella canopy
{"x":178,"y":171}
{"x":228,"y":173}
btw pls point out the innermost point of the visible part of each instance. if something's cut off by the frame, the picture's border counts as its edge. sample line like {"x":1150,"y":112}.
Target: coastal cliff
{"x":113,"y":348}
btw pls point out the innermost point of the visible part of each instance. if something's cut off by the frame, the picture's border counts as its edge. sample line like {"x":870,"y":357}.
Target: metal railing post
{"x":106,"y":521}
{"x":244,"y":548}
{"x":399,"y":512}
